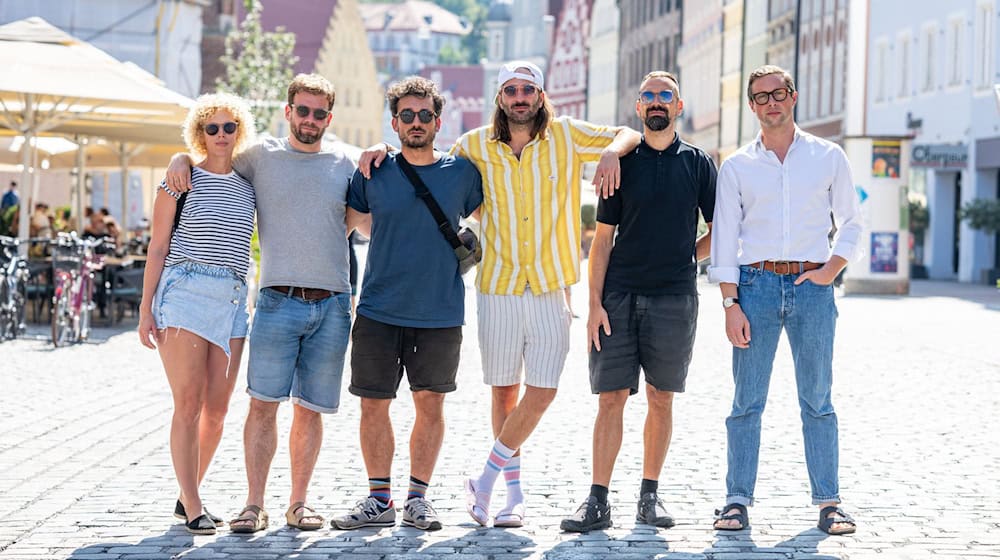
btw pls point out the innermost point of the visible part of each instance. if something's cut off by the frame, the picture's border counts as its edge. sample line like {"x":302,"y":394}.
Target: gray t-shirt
{"x":301,"y":204}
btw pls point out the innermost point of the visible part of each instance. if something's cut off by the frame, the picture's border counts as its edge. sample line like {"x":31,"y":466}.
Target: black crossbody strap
{"x":425,"y":195}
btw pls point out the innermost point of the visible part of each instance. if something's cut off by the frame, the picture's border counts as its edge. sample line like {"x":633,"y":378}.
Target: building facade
{"x":515,"y":30}
{"x":566,"y":82}
{"x":931,"y":75}
{"x":330,"y":40}
{"x":162,"y":38}
{"x":649,"y":38}
{"x":410,"y":35}
{"x":699,"y":61}
{"x":602,"y":60}
{"x":822,"y":67}
{"x":218,"y":19}
{"x":462,"y":88}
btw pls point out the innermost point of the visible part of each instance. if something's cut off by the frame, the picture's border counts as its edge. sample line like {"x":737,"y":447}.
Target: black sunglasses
{"x":303,"y":111}
{"x":779,"y":94}
{"x":212,"y":129}
{"x":527,"y":89}
{"x":647,"y":97}
{"x":407,"y":116}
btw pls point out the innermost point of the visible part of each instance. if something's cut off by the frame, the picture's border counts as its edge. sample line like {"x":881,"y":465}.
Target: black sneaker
{"x":590,"y":516}
{"x":651,"y":511}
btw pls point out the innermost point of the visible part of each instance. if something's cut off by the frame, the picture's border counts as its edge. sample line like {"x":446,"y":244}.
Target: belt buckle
{"x":786,"y":264}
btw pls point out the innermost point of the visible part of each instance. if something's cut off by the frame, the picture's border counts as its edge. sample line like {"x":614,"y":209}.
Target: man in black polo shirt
{"x":643,"y":295}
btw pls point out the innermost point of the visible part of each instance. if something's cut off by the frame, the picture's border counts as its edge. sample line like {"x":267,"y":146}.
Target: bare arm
{"x":359,"y":221}
{"x":703,"y":246}
{"x":607,"y":178}
{"x":179,"y":173}
{"x":600,"y":254}
{"x":373,"y":156}
{"x":164,"y":208}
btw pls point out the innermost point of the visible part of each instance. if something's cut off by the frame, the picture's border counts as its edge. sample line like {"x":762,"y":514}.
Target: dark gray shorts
{"x":380,"y":352}
{"x":655,"y":333}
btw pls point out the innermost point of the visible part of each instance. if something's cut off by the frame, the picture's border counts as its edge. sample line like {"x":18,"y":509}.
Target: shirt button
{"x":526,"y":218}
{"x":525,"y":243}
{"x":235,"y":302}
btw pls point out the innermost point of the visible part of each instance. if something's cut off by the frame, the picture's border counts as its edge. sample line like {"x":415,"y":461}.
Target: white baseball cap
{"x":515,"y":69}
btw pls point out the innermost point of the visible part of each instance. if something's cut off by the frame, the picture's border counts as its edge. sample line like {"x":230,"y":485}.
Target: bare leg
{"x":608,"y":434}
{"x":427,"y":434}
{"x":260,"y":441}
{"x":304,"y":444}
{"x":221,"y":382}
{"x":658,"y":430}
{"x":378,"y":442}
{"x":525,"y":416}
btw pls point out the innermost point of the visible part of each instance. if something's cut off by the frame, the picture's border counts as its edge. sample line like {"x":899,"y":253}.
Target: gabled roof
{"x":461,"y":81}
{"x":308,"y":20}
{"x":413,"y":15}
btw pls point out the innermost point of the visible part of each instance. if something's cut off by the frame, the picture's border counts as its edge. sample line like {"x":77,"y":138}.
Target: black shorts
{"x":380,"y":352}
{"x":652,"y":332}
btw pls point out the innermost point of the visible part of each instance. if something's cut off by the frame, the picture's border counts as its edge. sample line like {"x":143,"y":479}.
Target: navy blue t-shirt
{"x":656,"y":211}
{"x":411,"y":277}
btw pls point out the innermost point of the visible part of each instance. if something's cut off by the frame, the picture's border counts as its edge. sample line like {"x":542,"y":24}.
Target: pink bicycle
{"x":73,"y":264}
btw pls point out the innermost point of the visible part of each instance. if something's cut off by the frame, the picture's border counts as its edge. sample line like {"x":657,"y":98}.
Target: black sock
{"x":599,"y":492}
{"x":648,"y":486}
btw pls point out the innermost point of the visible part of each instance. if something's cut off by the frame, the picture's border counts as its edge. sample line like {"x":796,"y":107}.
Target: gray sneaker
{"x":651,"y":511}
{"x":369,"y":512}
{"x":419,"y":513}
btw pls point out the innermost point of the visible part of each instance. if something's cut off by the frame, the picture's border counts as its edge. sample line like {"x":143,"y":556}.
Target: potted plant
{"x":983,"y":214}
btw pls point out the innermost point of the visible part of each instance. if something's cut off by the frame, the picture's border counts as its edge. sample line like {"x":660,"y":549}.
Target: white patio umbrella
{"x":53,"y":83}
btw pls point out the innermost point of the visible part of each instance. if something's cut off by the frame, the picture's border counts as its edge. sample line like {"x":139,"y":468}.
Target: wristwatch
{"x":729,"y":302}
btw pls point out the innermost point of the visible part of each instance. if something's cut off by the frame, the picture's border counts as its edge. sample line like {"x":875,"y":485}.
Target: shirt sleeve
{"x":475,"y":195}
{"x":589,"y":140}
{"x":728,"y":214}
{"x":357,"y":196}
{"x":609,"y":210}
{"x":245,"y":162}
{"x":846,"y":211}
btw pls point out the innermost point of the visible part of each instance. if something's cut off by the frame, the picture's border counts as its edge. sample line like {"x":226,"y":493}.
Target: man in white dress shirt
{"x":771,"y":254}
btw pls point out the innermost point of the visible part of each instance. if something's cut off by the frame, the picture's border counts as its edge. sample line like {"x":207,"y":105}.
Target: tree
{"x":982,"y":214}
{"x":258,"y":65}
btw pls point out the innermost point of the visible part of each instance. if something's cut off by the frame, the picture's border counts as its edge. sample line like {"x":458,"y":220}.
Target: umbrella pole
{"x":25,"y":214}
{"x":81,"y":182}
{"x":123,"y":155}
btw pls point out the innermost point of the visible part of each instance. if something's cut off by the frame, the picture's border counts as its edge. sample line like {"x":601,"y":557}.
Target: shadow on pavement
{"x":803,"y":546}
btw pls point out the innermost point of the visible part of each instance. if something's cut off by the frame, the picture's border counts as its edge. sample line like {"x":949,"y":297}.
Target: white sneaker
{"x":419,"y":513}
{"x":369,"y":512}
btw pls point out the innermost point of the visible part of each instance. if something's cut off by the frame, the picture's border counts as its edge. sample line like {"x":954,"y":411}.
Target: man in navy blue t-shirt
{"x":411,"y":310}
{"x":643,"y":295}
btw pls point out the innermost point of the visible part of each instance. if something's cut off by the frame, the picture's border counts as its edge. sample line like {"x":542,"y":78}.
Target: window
{"x":881,"y":68}
{"x":954,"y":55}
{"x":929,"y":60}
{"x":903,"y":64}
{"x":985,"y":46}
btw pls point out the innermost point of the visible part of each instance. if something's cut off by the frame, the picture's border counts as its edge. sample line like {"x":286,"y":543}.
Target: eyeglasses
{"x":527,"y":89}
{"x":779,"y":94}
{"x":212,"y":129}
{"x":407,"y":116}
{"x":303,"y":111}
{"x":665,"y":96}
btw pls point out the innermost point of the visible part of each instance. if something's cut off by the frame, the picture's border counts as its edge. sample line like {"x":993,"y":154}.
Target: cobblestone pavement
{"x":85,"y":468}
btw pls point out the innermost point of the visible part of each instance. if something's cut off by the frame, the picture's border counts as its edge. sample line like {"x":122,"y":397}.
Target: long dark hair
{"x":501,"y":125}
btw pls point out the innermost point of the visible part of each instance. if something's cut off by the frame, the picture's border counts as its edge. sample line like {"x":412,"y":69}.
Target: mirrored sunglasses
{"x":212,"y":129}
{"x":665,"y":96}
{"x":527,"y":89}
{"x":407,"y":116}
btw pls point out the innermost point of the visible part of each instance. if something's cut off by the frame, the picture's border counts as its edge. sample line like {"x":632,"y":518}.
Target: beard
{"x":525,"y":119}
{"x":307,"y":137}
{"x":419,"y":142}
{"x":657,"y":123}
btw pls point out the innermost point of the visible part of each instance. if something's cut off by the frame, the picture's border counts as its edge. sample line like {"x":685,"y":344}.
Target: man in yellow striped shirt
{"x":530,"y":162}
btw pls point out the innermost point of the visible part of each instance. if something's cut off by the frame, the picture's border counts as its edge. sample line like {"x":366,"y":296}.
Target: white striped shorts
{"x":523,"y":330}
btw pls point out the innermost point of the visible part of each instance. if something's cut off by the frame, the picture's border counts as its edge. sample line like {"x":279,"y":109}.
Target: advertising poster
{"x":885,"y":158}
{"x":885,"y":251}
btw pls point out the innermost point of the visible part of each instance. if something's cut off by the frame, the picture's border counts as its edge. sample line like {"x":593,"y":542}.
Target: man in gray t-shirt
{"x":302,"y":320}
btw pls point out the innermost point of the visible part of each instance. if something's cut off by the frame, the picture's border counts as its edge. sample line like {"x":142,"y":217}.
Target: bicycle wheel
{"x":62,"y":317}
{"x":86,"y":306}
{"x":6,"y":329}
{"x":20,"y":299}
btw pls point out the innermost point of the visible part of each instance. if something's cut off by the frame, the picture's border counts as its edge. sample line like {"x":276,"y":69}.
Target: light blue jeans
{"x":808,"y":315}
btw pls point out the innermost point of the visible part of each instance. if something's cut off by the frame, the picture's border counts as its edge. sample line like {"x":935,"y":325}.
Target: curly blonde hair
{"x":204,"y":108}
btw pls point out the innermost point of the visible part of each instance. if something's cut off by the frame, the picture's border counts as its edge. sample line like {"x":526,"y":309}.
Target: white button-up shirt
{"x":769,"y":210}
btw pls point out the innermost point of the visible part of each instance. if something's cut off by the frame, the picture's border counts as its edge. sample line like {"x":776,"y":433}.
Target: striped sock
{"x":499,"y":456}
{"x":418,"y":488}
{"x":512,"y":474}
{"x":381,"y":490}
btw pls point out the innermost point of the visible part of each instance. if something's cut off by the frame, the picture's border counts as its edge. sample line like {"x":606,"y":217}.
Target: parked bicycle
{"x":74,"y":262}
{"x":13,"y":289}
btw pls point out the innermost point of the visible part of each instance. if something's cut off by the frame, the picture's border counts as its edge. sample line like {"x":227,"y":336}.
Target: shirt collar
{"x":672,"y":149}
{"x":758,"y":142}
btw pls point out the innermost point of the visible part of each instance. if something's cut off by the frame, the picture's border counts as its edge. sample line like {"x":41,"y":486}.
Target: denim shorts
{"x":655,"y":333}
{"x":209,"y":301}
{"x":297,"y":349}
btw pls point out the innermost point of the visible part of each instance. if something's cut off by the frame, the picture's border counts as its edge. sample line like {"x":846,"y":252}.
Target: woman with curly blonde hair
{"x":194,"y":308}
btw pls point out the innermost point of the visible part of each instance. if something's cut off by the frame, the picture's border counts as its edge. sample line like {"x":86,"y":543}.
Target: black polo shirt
{"x":656,"y":211}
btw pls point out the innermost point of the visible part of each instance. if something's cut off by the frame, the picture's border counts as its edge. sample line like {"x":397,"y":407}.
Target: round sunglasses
{"x":303,"y":112}
{"x":212,"y":129}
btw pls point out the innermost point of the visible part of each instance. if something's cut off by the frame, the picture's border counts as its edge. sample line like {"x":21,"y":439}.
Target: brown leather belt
{"x":306,"y":294}
{"x":786,"y":267}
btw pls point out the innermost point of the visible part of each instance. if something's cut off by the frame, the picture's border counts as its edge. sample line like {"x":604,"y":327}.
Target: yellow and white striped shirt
{"x":531,"y":206}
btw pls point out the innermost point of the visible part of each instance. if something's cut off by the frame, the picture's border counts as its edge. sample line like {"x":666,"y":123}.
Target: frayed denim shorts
{"x":209,"y":301}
